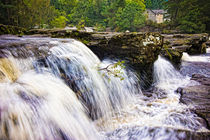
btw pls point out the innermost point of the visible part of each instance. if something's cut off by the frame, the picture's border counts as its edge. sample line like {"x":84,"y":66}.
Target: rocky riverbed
{"x":198,"y":96}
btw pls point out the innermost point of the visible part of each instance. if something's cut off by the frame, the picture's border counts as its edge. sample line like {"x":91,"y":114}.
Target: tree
{"x":26,"y":13}
{"x":155,"y":4}
{"x":131,"y":16}
{"x":190,"y":16}
{"x":148,"y":4}
{"x":59,"y":22}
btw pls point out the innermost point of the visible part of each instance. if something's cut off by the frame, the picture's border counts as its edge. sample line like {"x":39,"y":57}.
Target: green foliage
{"x":109,"y":13}
{"x":26,"y":13}
{"x":114,"y":69}
{"x":154,"y":4}
{"x":81,"y":24}
{"x":191,"y":16}
{"x":190,"y":23}
{"x":59,"y":22}
{"x":131,"y":16}
{"x":99,"y":27}
{"x":117,"y":14}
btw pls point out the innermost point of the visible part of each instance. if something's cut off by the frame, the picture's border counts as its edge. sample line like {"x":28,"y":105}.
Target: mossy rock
{"x":14,"y":30}
{"x":172,"y":55}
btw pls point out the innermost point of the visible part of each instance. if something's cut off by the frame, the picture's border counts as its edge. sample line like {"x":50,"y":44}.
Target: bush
{"x":59,"y":22}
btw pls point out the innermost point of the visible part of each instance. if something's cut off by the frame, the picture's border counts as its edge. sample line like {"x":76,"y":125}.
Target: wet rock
{"x":190,"y":68}
{"x":198,"y":46}
{"x":20,"y":48}
{"x":198,"y":96}
{"x":139,"y":50}
{"x":173,"y":55}
{"x":166,"y":133}
{"x":155,"y":93}
{"x":8,"y":70}
{"x":176,"y":44}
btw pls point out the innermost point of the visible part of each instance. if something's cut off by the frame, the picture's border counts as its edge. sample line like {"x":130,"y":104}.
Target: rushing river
{"x":58,"y":89}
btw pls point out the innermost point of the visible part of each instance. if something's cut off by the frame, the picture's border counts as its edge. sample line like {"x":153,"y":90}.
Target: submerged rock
{"x":166,"y":133}
{"x":8,"y":70}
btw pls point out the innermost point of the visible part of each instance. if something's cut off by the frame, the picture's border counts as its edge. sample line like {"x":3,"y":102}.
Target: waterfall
{"x":58,"y":89}
{"x":54,"y":90}
{"x":166,"y":77}
{"x":159,"y":117}
{"x":42,"y":107}
{"x":187,"y":57}
{"x":79,"y":67}
{"x":195,"y":64}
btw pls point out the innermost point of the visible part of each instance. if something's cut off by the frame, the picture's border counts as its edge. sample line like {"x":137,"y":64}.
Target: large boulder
{"x":139,"y":50}
{"x":198,"y":96}
{"x":176,"y":44}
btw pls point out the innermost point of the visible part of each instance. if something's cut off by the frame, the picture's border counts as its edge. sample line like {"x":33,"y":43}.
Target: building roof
{"x":159,"y":11}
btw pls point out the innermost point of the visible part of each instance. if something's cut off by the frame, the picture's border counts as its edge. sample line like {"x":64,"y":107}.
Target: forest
{"x":191,"y":16}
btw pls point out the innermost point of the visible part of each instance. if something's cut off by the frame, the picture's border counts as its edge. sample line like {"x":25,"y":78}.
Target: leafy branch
{"x":114,"y":69}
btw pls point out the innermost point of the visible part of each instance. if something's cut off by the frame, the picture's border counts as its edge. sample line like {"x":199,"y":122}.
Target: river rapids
{"x":58,"y":89}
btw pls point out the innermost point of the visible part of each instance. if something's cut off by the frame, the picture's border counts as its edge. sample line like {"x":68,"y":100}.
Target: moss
{"x":8,"y":29}
{"x":84,"y":41}
{"x":168,"y":53}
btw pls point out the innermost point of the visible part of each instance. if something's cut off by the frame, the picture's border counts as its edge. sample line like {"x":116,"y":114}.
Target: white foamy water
{"x":208,"y":50}
{"x":163,"y":115}
{"x":70,"y":86}
{"x":198,"y":58}
{"x":38,"y":107}
{"x":79,"y":67}
{"x":166,"y":77}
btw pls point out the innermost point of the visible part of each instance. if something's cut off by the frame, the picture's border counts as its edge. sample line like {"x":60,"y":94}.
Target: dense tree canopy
{"x":117,"y":14}
{"x":187,"y":15}
{"x":26,"y":13}
{"x":191,"y":16}
{"x":155,"y":4}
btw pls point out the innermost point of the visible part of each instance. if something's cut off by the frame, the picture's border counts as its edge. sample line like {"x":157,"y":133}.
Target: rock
{"x":140,"y":50}
{"x":198,"y":96}
{"x":19,"y":48}
{"x":149,"y":132}
{"x":190,"y":68}
{"x":8,"y":70}
{"x":176,"y":44}
{"x":198,"y":45}
{"x":173,"y":55}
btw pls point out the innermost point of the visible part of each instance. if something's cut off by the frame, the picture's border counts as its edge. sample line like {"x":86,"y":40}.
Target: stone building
{"x":157,"y":16}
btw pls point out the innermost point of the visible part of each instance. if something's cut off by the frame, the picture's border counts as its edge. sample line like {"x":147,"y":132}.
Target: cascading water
{"x":41,"y":107}
{"x":166,"y":77}
{"x":196,"y":64}
{"x":156,"y":117}
{"x":49,"y":109}
{"x":78,"y":66}
{"x":59,"y":81}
